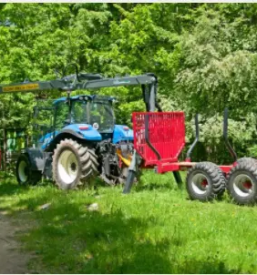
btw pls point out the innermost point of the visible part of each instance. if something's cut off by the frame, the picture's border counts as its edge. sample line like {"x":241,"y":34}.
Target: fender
{"x":83,"y":132}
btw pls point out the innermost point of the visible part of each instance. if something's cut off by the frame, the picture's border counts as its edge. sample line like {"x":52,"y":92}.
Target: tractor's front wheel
{"x":24,"y":174}
{"x":73,"y":164}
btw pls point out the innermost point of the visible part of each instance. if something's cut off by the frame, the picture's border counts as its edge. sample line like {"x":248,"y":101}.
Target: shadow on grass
{"x":209,"y":266}
{"x":8,"y":188}
{"x":71,"y":239}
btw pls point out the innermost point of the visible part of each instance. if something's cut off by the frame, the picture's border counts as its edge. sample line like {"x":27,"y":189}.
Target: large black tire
{"x":73,"y":164}
{"x":242,"y":182}
{"x":246,"y":159}
{"x":205,"y":181}
{"x":24,"y":174}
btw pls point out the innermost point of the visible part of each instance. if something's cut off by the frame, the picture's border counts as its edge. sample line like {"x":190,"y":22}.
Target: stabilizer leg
{"x":178,"y":178}
{"x":129,"y":181}
{"x":131,"y":174}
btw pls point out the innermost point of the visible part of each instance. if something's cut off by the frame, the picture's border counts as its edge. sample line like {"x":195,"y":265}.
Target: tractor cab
{"x":85,"y":109}
{"x":90,"y":116}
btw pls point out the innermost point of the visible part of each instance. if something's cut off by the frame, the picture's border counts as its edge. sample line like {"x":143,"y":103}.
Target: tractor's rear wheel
{"x":24,"y":174}
{"x":242,"y":182}
{"x":73,"y":164}
{"x":205,"y":182}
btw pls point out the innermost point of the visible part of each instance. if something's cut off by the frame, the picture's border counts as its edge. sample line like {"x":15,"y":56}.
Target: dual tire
{"x":205,"y":182}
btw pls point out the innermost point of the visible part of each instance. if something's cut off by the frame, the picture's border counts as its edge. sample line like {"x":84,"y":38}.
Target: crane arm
{"x":32,"y":86}
{"x":84,"y":81}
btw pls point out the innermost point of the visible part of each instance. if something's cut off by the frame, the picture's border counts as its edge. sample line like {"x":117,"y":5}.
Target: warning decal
{"x":20,"y":88}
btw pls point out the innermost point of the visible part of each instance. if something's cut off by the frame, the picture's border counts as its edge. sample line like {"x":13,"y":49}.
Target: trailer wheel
{"x":205,"y":181}
{"x":24,"y":174}
{"x":246,"y":159}
{"x":242,"y":182}
{"x":73,"y":164}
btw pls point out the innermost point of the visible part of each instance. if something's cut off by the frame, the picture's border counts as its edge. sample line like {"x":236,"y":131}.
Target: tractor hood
{"x":86,"y":131}
{"x":122,"y":133}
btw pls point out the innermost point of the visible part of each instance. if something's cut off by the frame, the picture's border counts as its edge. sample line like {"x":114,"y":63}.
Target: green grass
{"x":155,"y":229}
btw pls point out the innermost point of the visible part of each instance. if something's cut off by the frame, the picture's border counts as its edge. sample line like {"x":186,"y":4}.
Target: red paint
{"x":204,"y":183}
{"x":226,"y":168}
{"x":247,"y":185}
{"x":166,"y":134}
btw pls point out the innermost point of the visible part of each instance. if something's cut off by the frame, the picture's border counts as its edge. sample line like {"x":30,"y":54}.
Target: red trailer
{"x":159,"y":138}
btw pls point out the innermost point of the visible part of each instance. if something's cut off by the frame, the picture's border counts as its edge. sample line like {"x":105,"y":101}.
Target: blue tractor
{"x":77,"y":138}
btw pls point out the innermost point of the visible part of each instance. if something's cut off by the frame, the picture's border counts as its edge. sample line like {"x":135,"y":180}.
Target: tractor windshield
{"x":97,"y":113}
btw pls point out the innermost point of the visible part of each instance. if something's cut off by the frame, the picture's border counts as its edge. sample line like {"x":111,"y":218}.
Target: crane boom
{"x":85,"y":81}
{"x":31,"y":86}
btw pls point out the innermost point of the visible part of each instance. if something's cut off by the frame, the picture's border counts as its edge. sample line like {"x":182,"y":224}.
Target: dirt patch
{"x":12,"y":260}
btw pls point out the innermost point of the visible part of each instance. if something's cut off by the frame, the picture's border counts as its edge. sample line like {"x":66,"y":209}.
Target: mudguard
{"x":85,"y":131}
{"x":80,"y":131}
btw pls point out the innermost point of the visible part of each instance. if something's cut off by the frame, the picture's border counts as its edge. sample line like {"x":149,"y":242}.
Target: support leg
{"x":131,"y":174}
{"x":129,"y":181}
{"x":178,"y":178}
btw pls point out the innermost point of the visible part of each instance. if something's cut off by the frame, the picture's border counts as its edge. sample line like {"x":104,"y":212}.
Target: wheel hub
{"x":247,"y":185}
{"x":204,"y":183}
{"x":243,"y":185}
{"x":200,"y":183}
{"x":73,"y":166}
{"x":68,"y":166}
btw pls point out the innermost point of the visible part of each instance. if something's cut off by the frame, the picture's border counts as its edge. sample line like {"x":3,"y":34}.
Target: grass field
{"x":155,"y":229}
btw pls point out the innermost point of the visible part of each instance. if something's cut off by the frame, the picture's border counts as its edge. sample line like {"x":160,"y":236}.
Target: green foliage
{"x":204,"y":55}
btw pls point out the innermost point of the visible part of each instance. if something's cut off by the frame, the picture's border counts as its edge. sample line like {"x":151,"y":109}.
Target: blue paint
{"x":122,"y":133}
{"x":88,"y":134}
{"x":118,"y":134}
{"x":46,"y":139}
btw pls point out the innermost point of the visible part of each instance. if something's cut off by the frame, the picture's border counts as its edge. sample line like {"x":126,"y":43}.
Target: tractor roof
{"x":85,"y":97}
